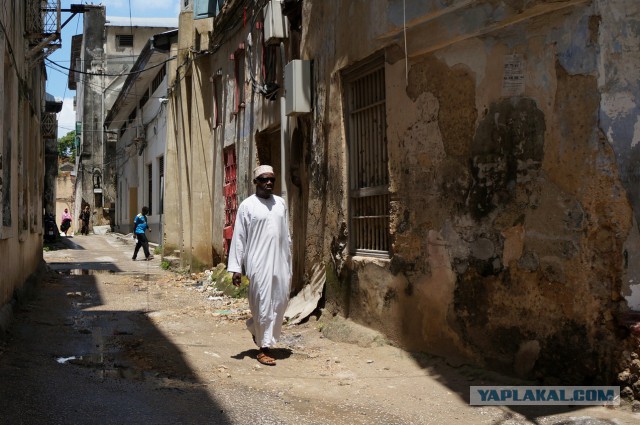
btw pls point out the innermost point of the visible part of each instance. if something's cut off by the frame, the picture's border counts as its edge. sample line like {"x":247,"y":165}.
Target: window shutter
{"x":206,"y":8}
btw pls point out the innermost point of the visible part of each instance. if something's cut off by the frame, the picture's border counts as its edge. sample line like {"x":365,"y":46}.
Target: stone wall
{"x":512,"y":213}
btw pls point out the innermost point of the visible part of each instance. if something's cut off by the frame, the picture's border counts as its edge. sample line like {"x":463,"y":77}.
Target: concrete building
{"x":219,"y":127}
{"x":471,"y":165}
{"x":461,"y":174}
{"x":24,"y":41}
{"x":101,"y":60}
{"x":139,"y":117}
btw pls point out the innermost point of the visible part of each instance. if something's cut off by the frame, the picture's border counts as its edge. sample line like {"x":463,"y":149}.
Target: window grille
{"x":49,"y":126}
{"x":157,"y":80}
{"x":144,"y":98}
{"x":124,"y":40}
{"x":368,"y":157}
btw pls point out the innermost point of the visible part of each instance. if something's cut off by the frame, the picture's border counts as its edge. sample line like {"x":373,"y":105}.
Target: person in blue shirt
{"x":140,"y":223}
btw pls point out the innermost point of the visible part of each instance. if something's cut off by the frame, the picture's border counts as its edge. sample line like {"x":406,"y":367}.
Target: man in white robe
{"x":261,"y":246}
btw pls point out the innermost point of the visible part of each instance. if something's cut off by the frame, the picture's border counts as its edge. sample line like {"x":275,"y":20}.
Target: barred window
{"x":143,"y":99}
{"x":157,"y":80}
{"x":124,"y":40}
{"x":364,"y":91}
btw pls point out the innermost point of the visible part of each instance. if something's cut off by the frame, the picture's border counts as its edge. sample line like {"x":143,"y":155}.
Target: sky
{"x":57,"y":80}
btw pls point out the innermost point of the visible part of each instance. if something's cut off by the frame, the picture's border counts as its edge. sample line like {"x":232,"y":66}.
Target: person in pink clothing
{"x":66,"y":221}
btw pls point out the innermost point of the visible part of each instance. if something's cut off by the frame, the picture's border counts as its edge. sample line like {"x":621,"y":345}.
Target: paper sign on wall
{"x":513,"y":77}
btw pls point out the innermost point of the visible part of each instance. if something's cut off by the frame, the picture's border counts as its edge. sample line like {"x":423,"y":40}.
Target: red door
{"x":230,"y":198}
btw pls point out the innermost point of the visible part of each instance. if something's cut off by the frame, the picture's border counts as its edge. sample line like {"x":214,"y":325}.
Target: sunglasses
{"x":266,"y":179}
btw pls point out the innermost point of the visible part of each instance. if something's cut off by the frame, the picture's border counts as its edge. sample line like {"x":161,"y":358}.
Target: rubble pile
{"x":629,"y":378}
{"x":215,"y":285}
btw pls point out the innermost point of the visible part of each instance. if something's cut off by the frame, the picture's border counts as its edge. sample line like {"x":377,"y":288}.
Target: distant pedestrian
{"x":261,"y":246}
{"x":85,"y":216}
{"x":65,"y":221}
{"x":140,"y":223}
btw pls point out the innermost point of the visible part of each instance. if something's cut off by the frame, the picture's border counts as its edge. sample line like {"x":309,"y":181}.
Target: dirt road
{"x":112,"y":341}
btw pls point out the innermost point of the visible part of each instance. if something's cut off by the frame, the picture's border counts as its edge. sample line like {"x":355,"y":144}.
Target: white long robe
{"x":261,"y":246}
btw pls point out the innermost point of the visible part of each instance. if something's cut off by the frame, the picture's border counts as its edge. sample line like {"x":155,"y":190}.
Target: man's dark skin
{"x":264,"y":189}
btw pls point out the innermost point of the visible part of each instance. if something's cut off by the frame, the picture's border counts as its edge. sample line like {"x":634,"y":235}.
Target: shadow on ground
{"x":65,"y":360}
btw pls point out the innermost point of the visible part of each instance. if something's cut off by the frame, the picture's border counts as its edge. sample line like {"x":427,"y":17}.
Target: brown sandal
{"x":265,"y":359}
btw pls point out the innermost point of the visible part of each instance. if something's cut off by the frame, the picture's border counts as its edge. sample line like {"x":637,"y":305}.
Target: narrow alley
{"x":107,"y":340}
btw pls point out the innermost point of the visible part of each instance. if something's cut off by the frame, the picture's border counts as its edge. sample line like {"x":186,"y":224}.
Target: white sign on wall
{"x":513,"y":77}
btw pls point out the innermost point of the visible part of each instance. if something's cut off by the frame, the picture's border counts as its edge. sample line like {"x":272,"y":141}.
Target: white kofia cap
{"x":261,"y":170}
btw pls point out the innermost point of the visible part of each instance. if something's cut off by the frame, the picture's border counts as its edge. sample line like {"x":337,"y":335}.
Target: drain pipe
{"x":284,"y":130}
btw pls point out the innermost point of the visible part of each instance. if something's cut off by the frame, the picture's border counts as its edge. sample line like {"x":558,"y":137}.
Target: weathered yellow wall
{"x":22,"y":151}
{"x":195,"y":204}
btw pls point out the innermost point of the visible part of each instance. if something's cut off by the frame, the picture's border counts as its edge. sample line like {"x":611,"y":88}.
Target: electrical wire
{"x":267,"y":87}
{"x":97,"y":74}
{"x":98,"y":86}
{"x":224,"y":30}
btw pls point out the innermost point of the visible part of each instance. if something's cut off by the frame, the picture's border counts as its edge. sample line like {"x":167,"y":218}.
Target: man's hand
{"x":237,"y":279}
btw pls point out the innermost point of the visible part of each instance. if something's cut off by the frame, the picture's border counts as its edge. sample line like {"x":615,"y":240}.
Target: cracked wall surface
{"x":511,"y":156}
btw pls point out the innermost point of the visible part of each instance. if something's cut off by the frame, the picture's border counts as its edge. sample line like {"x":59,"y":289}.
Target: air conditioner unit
{"x":276,"y":25}
{"x":297,"y":83}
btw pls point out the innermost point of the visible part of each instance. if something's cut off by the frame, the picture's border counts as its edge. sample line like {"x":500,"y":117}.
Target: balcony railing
{"x":43,"y":27}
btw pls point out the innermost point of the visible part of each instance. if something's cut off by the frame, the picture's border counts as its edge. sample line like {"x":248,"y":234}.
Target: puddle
{"x":83,"y":272}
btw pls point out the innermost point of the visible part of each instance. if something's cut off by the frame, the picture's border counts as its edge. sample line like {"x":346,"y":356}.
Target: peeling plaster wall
{"x":513,"y":209}
{"x":333,"y":36}
{"x":619,"y":115}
